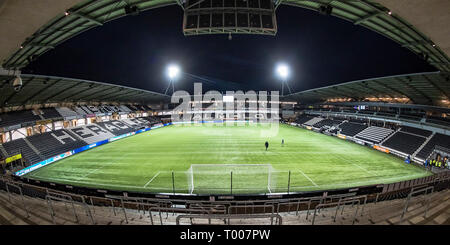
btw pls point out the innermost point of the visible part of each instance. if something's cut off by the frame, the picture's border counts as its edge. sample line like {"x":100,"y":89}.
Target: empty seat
{"x":18,"y":117}
{"x":116,"y":127}
{"x":437,"y":140}
{"x":20,"y":146}
{"x":418,"y":131}
{"x":327,"y":123}
{"x":66,"y":112}
{"x":313,"y":121}
{"x":51,"y":144}
{"x":50,"y":113}
{"x":404,"y":142}
{"x":92,"y":133}
{"x":374,"y":134}
{"x":351,"y":129}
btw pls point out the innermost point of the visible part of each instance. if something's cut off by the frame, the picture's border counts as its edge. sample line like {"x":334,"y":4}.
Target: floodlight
{"x":283,"y":71}
{"x":173,"y":71}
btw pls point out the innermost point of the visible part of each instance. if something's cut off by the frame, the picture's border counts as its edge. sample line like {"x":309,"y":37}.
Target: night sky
{"x":135,"y":50}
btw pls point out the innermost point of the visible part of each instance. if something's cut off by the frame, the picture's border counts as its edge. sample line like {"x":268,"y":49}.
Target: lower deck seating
{"x":116,"y":127}
{"x":91,"y":133}
{"x":51,"y":144}
{"x":351,"y":129}
{"x":418,"y":131}
{"x":437,"y":140}
{"x":404,"y":142}
{"x":20,"y":146}
{"x":313,"y":121}
{"x":374,"y":134}
{"x":327,"y":122}
{"x":302,"y":119}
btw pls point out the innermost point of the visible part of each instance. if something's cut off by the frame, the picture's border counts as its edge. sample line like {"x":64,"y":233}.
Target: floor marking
{"x":152,"y":179}
{"x":306,"y":176}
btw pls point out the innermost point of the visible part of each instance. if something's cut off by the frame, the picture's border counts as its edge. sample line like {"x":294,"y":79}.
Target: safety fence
{"x":86,"y":209}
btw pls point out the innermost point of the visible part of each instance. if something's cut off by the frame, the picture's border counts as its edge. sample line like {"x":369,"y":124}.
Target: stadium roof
{"x":422,"y":88}
{"x":29,"y":30}
{"x":38,"y":89}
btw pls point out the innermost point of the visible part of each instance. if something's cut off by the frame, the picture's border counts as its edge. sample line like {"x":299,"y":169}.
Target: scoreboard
{"x":229,"y":17}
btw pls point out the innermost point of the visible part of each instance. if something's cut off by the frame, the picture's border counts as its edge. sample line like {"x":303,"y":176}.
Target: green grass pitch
{"x":145,"y":162}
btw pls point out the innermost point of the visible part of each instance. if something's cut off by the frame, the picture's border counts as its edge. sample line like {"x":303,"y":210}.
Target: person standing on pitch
{"x":267,"y":145}
{"x":282,"y":142}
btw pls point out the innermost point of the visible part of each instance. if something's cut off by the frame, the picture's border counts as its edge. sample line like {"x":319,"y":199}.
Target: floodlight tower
{"x":173,"y":72}
{"x":283,"y":73}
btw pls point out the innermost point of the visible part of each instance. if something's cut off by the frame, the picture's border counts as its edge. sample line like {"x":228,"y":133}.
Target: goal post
{"x":221,"y":178}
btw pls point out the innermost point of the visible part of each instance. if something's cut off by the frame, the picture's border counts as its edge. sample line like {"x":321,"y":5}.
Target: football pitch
{"x":207,"y":158}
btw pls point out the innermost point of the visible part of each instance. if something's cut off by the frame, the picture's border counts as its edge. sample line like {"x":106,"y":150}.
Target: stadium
{"x":362,"y":152}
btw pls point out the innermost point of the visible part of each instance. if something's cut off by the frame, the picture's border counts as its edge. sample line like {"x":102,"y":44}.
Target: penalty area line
{"x":154,"y":176}
{"x":306,"y":176}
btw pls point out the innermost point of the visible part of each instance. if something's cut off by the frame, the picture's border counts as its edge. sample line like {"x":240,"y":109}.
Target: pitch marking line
{"x":354,"y":164}
{"x":104,"y":165}
{"x":306,"y":176}
{"x":152,"y":178}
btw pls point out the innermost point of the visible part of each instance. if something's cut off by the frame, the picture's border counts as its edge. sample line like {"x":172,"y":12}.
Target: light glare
{"x":173,"y":71}
{"x":283,"y":71}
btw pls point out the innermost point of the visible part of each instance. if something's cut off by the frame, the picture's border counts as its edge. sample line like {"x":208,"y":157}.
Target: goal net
{"x":231,"y":178}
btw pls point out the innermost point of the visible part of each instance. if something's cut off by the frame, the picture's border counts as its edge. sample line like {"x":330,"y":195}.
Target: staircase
{"x":34,"y":148}
{"x":424,"y":144}
{"x":4,"y":152}
{"x":381,"y":143}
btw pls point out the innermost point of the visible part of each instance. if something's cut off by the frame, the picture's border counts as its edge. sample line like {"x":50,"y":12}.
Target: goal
{"x":231,"y":178}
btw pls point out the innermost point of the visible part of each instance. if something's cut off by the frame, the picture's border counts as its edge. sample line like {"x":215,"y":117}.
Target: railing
{"x":147,"y":207}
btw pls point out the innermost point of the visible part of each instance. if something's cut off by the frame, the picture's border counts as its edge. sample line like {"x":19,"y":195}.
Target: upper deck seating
{"x":66,"y":112}
{"x":124,"y":108}
{"x":50,"y":113}
{"x":439,"y":120}
{"x":80,"y":111}
{"x":18,"y":117}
